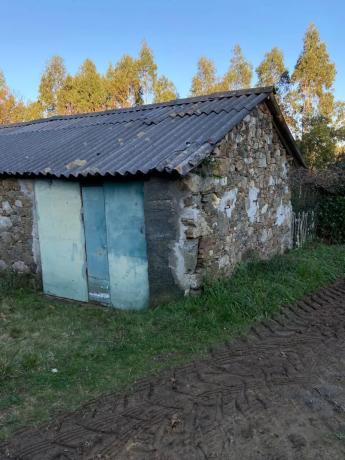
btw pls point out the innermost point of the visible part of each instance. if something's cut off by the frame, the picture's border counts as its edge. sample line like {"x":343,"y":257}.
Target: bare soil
{"x":278,"y":393}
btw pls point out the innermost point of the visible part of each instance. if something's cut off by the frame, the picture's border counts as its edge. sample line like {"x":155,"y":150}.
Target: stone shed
{"x":137,"y":206}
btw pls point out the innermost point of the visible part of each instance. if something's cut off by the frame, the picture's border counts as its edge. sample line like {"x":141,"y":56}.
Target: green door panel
{"x":61,"y":237}
{"x":96,"y":244}
{"x":128,"y":267}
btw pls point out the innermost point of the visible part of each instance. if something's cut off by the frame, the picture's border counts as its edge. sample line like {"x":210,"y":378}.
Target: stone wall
{"x":236,"y":204}
{"x":18,"y":236}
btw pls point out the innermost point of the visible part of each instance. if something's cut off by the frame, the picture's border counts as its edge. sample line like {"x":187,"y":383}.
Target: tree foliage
{"x":31,"y":111}
{"x":272,"y":69}
{"x":164,"y":90}
{"x":131,"y":81}
{"x":239,"y":75}
{"x":122,"y":83}
{"x":147,"y":71}
{"x":339,"y":115}
{"x":205,"y":80}
{"x":312,"y":101}
{"x":66,"y":97}
{"x":313,"y":76}
{"x":240,"y":72}
{"x":87,"y":91}
{"x":7,"y":102}
{"x":318,"y":143}
{"x":13,"y":109}
{"x":52,"y":80}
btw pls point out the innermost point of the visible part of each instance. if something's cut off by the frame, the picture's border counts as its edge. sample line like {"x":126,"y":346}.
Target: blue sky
{"x":178,"y":31}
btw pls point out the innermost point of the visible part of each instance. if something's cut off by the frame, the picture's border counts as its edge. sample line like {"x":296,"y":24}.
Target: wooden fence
{"x":303,"y":227}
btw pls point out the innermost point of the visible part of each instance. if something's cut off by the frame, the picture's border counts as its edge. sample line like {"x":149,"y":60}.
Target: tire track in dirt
{"x":278,"y":393}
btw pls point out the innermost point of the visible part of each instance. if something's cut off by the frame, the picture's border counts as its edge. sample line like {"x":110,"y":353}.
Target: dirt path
{"x":278,"y":394}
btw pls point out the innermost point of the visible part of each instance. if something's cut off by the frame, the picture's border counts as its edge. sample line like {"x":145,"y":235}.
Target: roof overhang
{"x":168,"y":138}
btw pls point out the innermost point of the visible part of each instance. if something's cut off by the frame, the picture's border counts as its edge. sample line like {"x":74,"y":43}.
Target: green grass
{"x":97,"y":350}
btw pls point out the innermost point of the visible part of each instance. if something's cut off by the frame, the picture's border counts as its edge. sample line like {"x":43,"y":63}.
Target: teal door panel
{"x":61,"y":237}
{"x":96,"y":244}
{"x":128,"y":267}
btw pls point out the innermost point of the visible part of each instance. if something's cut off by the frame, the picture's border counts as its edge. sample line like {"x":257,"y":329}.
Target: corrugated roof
{"x":167,"y":137}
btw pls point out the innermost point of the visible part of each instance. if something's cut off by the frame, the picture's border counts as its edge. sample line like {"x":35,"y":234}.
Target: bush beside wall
{"x":323,"y":194}
{"x":331,"y":219}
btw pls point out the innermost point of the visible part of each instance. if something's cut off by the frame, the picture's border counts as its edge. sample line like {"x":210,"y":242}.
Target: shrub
{"x":331,"y":219}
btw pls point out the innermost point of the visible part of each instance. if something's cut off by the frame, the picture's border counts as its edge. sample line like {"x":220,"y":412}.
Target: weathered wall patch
{"x":18,"y":238}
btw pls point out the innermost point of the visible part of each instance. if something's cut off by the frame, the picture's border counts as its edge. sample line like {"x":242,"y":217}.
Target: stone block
{"x":20,"y":267}
{"x":5,"y":223}
{"x":6,"y":207}
{"x":190,"y":253}
{"x":193,"y":182}
{"x":3,"y":265}
{"x":6,"y":238}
